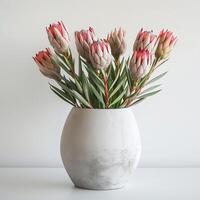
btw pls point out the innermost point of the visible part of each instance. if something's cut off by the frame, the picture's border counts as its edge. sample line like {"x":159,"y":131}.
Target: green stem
{"x":138,"y":87}
{"x":105,"y":80}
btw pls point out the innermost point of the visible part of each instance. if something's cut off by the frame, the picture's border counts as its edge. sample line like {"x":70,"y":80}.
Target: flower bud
{"x":117,"y":43}
{"x":83,"y":40}
{"x":140,"y":62}
{"x":58,"y":37}
{"x":100,"y":54}
{"x":145,"y":40}
{"x":47,"y":64}
{"x":166,"y":42}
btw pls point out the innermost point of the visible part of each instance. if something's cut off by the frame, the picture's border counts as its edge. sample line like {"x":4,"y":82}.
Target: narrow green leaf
{"x":67,"y":94}
{"x":64,"y":87}
{"x":122,"y":66}
{"x":109,"y":69}
{"x":98,"y":96}
{"x":119,"y":98}
{"x":115,"y":80}
{"x":112,"y":72}
{"x":117,"y":88}
{"x":142,"y":81}
{"x":67,"y":61}
{"x":138,"y":101}
{"x":78,"y":86}
{"x":80,"y":71}
{"x":67,"y":89}
{"x":156,"y":78}
{"x":81,"y":99}
{"x":64,"y":67}
{"x":61,"y":94}
{"x":149,"y":94}
{"x":129,"y":78}
{"x":85,"y":87}
{"x":93,"y":73}
{"x":99,"y":84}
{"x":162,"y":63}
{"x":150,"y":88}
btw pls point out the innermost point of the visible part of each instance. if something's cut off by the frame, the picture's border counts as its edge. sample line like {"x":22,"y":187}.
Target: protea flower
{"x":100,"y":54}
{"x":47,"y":64}
{"x":145,"y":40}
{"x":166,"y":42}
{"x":140,"y":63}
{"x":83,"y":40}
{"x":117,"y":43}
{"x":58,"y":37}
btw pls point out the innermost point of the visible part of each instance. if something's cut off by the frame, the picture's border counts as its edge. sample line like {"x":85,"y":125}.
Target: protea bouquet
{"x":101,"y":147}
{"x":105,"y":79}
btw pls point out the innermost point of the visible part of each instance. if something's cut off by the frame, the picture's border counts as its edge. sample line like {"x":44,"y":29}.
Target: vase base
{"x":100,"y":188}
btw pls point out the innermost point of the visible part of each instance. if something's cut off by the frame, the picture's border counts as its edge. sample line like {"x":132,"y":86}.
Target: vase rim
{"x":106,"y":109}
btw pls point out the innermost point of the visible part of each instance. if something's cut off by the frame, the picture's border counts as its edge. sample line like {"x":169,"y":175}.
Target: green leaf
{"x":162,"y":63}
{"x":122,"y":66}
{"x":112,"y":71}
{"x":78,"y":86}
{"x":109,"y":69}
{"x":156,"y":78}
{"x":81,"y":99}
{"x":115,"y":80}
{"x":97,"y":84}
{"x":93,"y":73}
{"x":67,"y":89}
{"x":68,"y":63}
{"x":85,"y":87}
{"x":150,"y":88}
{"x":98,"y":96}
{"x":149,"y":94}
{"x":61,"y":94}
{"x":138,"y":101}
{"x":64,"y":67}
{"x":67,"y":94}
{"x":80,"y":71}
{"x":119,"y":98}
{"x":129,"y":77}
{"x":118,"y":87}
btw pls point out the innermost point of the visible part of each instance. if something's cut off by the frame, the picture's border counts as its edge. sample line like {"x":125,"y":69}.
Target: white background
{"x":32,"y":117}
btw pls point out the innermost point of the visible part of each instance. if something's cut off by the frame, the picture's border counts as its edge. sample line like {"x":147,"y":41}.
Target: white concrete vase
{"x":100,"y":148}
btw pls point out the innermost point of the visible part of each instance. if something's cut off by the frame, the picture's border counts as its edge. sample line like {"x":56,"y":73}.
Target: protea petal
{"x":47,"y":64}
{"x":166,"y":43}
{"x":100,"y":55}
{"x":116,"y":39}
{"x":83,"y":40}
{"x":58,"y":37}
{"x":140,"y":62}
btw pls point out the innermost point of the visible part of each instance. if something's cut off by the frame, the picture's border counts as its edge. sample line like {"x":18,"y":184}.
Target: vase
{"x":100,"y":148}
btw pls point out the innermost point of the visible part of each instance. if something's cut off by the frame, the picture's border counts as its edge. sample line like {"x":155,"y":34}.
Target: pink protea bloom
{"x":83,"y":40}
{"x":140,"y":63}
{"x":166,"y":43}
{"x":117,"y":42}
{"x":58,"y":37}
{"x":47,"y":64}
{"x":100,"y":54}
{"x":145,"y":40}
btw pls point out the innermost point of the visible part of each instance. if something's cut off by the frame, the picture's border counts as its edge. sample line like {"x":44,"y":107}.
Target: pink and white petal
{"x":96,"y":59}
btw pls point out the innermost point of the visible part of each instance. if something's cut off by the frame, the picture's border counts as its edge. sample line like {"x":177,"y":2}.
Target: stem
{"x":68,"y":57}
{"x":105,"y":79}
{"x":128,"y":102}
{"x":117,"y":64}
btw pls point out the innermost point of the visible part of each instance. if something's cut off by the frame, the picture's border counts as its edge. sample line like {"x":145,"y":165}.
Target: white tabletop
{"x":54,"y":184}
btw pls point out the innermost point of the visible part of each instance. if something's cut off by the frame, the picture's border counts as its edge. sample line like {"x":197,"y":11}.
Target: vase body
{"x":100,"y":148}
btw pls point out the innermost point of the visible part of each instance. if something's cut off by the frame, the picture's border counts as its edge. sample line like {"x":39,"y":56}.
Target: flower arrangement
{"x":104,"y":79}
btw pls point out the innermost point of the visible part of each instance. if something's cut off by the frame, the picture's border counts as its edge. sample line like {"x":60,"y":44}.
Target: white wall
{"x":31,"y":116}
